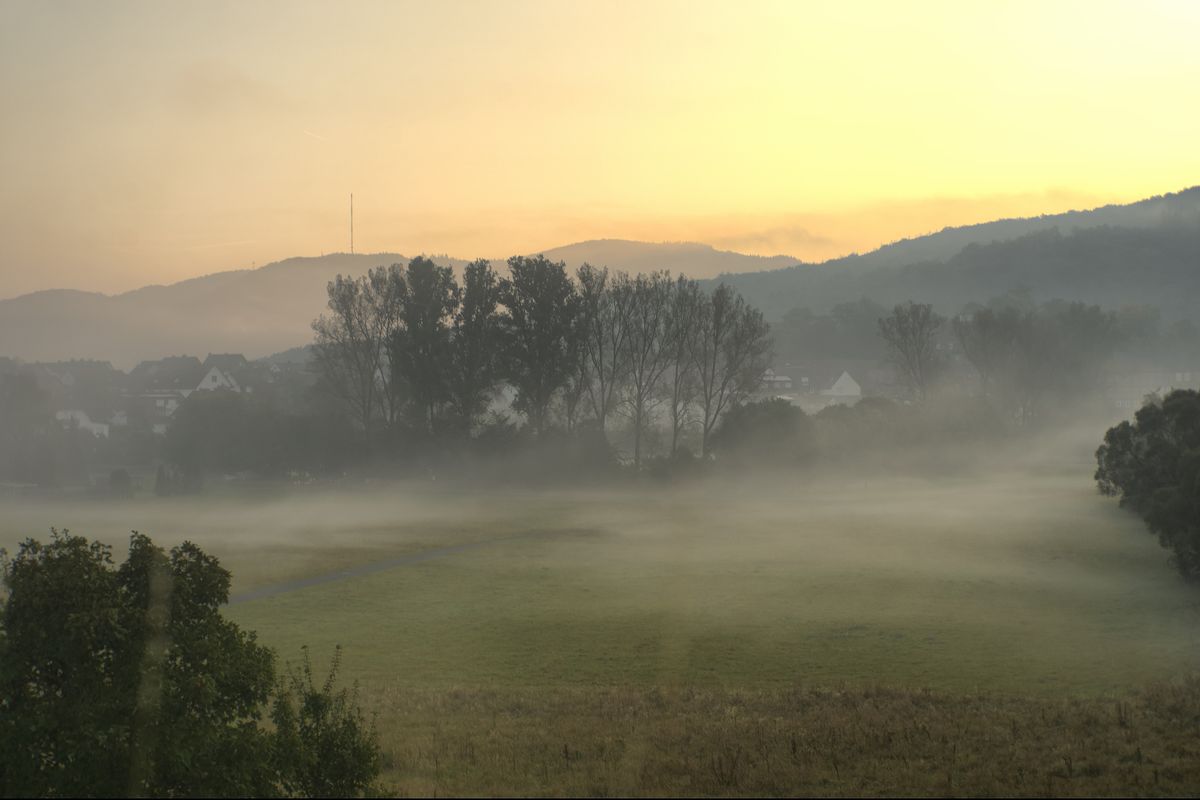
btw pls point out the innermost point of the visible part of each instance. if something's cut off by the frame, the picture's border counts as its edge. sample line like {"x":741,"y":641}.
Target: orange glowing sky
{"x":149,"y":142}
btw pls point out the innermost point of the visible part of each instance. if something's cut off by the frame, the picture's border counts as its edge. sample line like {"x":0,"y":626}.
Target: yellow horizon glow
{"x":148,"y":142}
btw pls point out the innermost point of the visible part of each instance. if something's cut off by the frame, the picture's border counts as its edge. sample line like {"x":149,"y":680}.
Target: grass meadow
{"x":998,"y":632}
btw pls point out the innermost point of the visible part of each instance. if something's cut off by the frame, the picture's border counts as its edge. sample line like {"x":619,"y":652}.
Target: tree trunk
{"x":637,"y":440}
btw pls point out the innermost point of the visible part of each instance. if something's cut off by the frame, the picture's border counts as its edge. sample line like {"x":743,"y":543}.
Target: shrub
{"x":323,"y":744}
{"x":771,"y":431}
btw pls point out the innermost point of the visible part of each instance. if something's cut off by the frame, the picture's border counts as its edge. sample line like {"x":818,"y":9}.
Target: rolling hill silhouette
{"x":1146,"y":252}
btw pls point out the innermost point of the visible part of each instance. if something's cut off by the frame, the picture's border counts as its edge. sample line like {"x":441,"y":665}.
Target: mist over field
{"x":511,"y":512}
{"x":995,"y":569}
{"x":587,"y":400}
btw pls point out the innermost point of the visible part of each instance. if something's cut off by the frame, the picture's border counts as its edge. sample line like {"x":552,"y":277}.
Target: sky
{"x":151,"y":142}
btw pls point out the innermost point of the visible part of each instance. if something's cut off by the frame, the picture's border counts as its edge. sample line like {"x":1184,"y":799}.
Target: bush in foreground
{"x":128,"y":680}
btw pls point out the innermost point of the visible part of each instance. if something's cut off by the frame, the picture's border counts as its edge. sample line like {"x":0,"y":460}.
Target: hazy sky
{"x":151,"y":142}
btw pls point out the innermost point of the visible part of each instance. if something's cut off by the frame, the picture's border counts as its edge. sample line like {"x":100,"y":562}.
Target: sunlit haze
{"x":150,"y":142}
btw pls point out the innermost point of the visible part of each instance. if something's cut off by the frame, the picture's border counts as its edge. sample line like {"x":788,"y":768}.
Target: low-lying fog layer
{"x":1012,"y":576}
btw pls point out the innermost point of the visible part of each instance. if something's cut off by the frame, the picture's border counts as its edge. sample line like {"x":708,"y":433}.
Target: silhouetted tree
{"x":475,"y":365}
{"x":350,"y":350}
{"x":909,"y":333}
{"x":419,"y":345}
{"x":1025,"y":357}
{"x":605,"y":306}
{"x":541,"y":304}
{"x":649,"y":349}
{"x":730,"y":348}
{"x":681,"y":380}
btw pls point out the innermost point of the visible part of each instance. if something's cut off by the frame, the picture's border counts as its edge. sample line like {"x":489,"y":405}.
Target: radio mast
{"x":352,"y":223}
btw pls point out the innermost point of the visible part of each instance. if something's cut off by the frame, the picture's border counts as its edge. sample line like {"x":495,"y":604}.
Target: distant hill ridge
{"x":1143,"y":252}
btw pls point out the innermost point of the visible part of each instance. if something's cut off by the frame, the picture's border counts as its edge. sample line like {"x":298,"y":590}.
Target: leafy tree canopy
{"x":128,"y":680}
{"x":1153,"y":464}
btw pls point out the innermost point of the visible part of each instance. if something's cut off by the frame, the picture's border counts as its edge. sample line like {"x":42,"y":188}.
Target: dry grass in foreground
{"x":607,"y":742}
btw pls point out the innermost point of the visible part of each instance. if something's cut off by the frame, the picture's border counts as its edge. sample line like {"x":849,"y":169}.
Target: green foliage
{"x":419,"y":345}
{"x":324,"y":745}
{"x":541,"y":304}
{"x":130,"y":680}
{"x":34,"y":446}
{"x":768,"y":431}
{"x":233,"y":432}
{"x":477,"y":345}
{"x":1153,"y":464}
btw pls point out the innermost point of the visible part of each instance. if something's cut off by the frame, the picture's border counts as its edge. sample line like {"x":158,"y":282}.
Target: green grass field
{"x":1000,"y":582}
{"x":1021,"y":585}
{"x":1016,"y":585}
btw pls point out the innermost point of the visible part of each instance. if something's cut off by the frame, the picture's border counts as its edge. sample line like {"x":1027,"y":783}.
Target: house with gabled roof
{"x":845,"y":390}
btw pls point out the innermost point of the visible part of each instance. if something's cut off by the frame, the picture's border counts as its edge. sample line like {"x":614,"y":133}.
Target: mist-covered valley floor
{"x":1008,"y":578}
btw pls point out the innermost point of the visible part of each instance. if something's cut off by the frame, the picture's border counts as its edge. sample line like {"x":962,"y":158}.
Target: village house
{"x":819,"y":386}
{"x":158,"y":388}
{"x":773,"y":382}
{"x":845,"y":391}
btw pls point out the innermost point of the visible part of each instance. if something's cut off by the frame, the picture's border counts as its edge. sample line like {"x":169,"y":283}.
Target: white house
{"x":845,"y":390}
{"x":217,"y":378}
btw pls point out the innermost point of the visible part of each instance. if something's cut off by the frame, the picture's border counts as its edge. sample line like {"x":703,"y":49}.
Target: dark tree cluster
{"x":1030,"y":359}
{"x":770,"y":431}
{"x":411,"y":348}
{"x":35,"y":447}
{"x":232,"y":432}
{"x":848,"y":331}
{"x":910,"y":333}
{"x":128,"y":681}
{"x":1153,"y":465}
{"x":1027,"y":360}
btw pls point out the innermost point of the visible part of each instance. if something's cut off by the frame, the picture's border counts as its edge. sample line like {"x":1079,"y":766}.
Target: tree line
{"x":1026,"y":357}
{"x":410,"y":346}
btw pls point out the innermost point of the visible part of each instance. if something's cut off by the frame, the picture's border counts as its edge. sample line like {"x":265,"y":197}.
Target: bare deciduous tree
{"x":605,"y":304}
{"x":909,"y":332}
{"x":731,"y":347}
{"x":649,"y":349}
{"x":680,"y":380}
